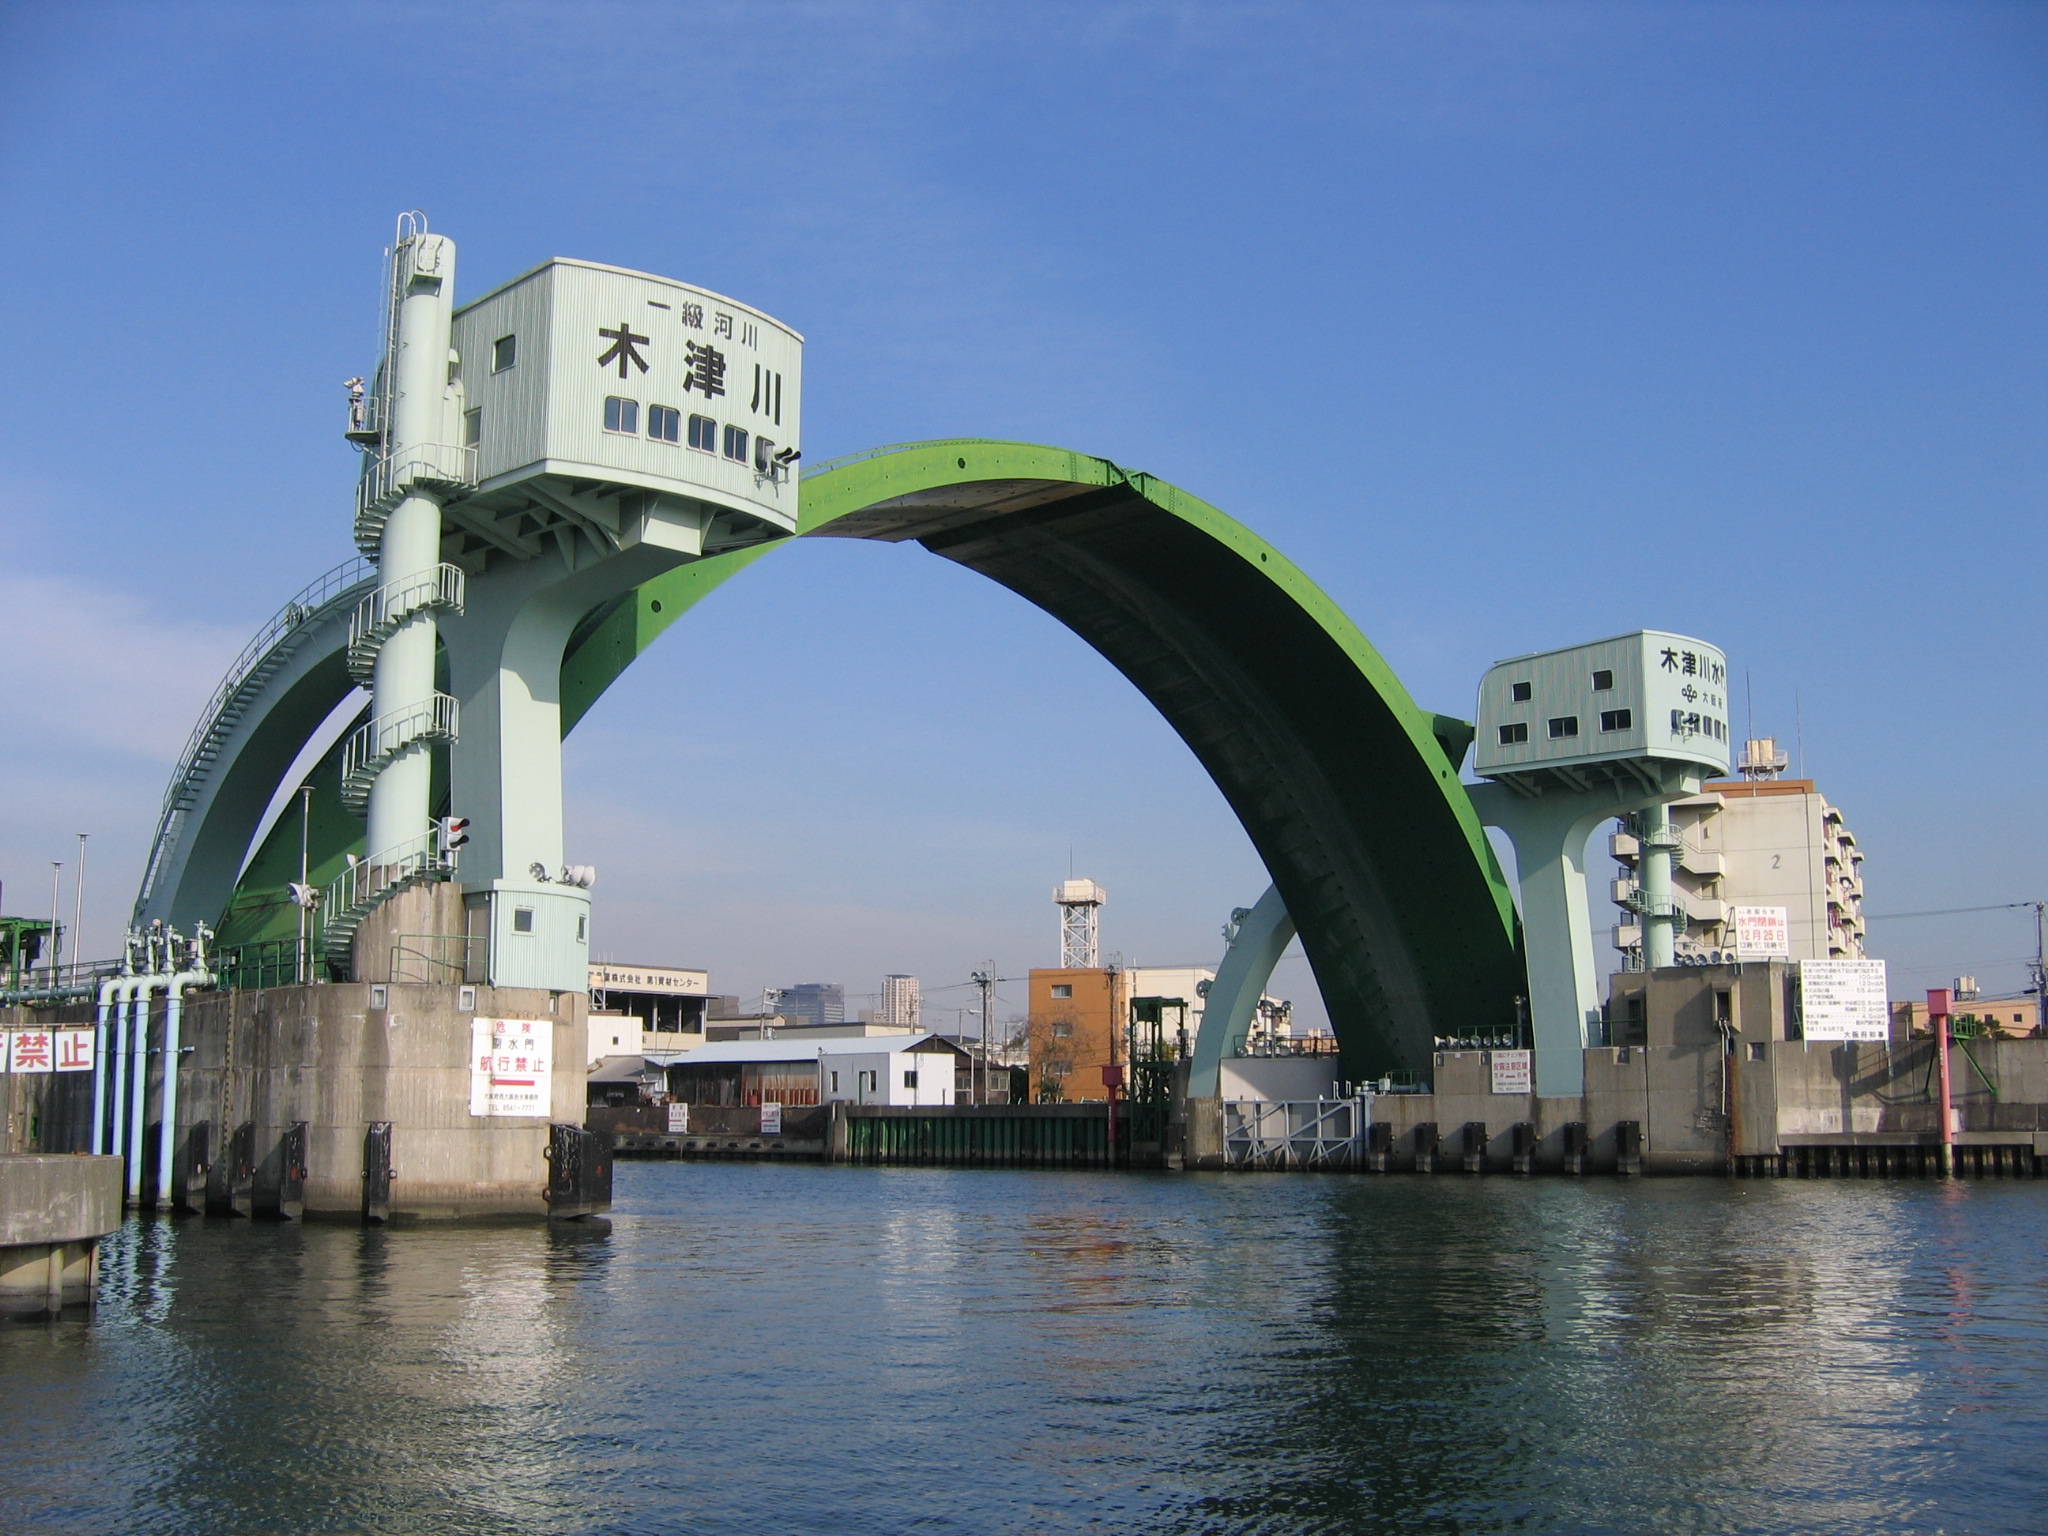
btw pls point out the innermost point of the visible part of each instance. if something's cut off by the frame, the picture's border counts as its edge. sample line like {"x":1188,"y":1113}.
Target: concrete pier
{"x":54,"y":1210}
{"x":353,"y":1102}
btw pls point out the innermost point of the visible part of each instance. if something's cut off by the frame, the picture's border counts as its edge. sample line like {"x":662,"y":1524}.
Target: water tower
{"x":1080,"y":903}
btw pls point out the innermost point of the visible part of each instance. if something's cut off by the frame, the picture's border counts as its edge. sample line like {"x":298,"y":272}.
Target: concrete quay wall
{"x":53,"y":1212}
{"x":1689,"y":1116}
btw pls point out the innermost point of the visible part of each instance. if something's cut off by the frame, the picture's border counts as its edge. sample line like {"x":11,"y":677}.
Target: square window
{"x":621,"y":415}
{"x":1617,"y":719}
{"x":504,"y":353}
{"x":1518,"y":692}
{"x":1063,"y":989}
{"x":522,"y":919}
{"x":704,"y":434}
{"x":1563,"y":726}
{"x":1514,"y":733}
{"x":736,"y":444}
{"x":1602,"y":681}
{"x":664,"y":423}
{"x":910,"y":1079}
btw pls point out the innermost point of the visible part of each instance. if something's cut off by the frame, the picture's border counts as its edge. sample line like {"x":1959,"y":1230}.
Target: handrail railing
{"x":375,"y":742}
{"x":379,"y":614}
{"x":310,"y":602}
{"x":366,"y":882}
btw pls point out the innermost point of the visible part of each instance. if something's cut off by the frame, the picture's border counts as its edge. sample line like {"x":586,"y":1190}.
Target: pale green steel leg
{"x":1550,"y":831}
{"x":1262,"y":936}
{"x":1659,"y":912}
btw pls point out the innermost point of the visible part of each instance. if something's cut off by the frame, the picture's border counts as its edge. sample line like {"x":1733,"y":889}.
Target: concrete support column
{"x":400,"y":799}
{"x":505,"y":670}
{"x":1659,"y":911}
{"x":423,"y":289}
{"x":1550,"y":834}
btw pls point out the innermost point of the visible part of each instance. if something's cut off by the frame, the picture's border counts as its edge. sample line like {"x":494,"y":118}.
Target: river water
{"x":793,"y":1349}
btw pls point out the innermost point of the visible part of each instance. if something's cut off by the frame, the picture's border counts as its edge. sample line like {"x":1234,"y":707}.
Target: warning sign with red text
{"x":511,"y":1064}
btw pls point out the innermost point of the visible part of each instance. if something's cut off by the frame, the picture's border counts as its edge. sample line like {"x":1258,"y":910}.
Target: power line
{"x":2003,"y":906}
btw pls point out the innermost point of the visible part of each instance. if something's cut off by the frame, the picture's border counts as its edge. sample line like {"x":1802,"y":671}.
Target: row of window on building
{"x":665,"y":425}
{"x":1603,"y":682}
{"x":1563,"y":727}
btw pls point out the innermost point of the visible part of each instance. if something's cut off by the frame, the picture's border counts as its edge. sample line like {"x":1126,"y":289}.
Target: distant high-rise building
{"x":900,"y":1002}
{"x":813,"y":1002}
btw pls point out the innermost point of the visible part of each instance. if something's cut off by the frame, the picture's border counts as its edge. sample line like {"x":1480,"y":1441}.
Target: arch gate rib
{"x":1348,"y":790}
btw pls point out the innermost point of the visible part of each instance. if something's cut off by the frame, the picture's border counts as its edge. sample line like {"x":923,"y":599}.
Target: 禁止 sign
{"x":1511,"y":1071}
{"x":771,"y":1119}
{"x":46,"y":1050}
{"x":31,"y":1050}
{"x":1762,"y":933}
{"x":1844,"y":1000}
{"x":511,"y":1067}
{"x":678,"y":1119}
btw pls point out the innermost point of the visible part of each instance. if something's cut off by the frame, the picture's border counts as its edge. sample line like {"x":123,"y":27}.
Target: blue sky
{"x":1727,"y":319}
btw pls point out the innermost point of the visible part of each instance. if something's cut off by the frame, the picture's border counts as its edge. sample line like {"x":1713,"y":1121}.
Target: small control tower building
{"x":1569,"y":739}
{"x":529,"y":458}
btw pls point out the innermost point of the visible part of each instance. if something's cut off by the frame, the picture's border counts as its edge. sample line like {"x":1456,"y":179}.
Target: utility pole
{"x":56,"y":933}
{"x":985,"y":978}
{"x":78,"y":900}
{"x":2040,"y":964}
{"x":305,"y":835}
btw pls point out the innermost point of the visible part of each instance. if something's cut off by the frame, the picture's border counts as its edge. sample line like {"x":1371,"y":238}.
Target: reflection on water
{"x":798,"y":1349}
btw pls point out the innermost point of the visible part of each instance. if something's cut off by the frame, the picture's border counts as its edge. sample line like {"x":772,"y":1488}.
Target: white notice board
{"x":1763,"y":933}
{"x":511,"y":1064}
{"x":1511,"y":1071}
{"x":1844,"y":1000}
{"x":771,"y":1119}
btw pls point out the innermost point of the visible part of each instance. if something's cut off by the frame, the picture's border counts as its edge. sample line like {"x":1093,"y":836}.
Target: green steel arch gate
{"x":1348,"y":790}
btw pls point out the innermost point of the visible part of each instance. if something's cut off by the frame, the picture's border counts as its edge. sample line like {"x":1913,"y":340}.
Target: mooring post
{"x":1938,"y":1011}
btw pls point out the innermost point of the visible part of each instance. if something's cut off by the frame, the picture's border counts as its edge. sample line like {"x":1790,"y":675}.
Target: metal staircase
{"x":275,"y":645}
{"x":376,"y":742}
{"x":378,"y":617}
{"x":365,"y":886}
{"x":388,"y":478}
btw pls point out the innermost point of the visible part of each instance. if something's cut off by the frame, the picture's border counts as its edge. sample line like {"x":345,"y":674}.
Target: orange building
{"x":2013,"y":1017}
{"x":1074,"y":1029}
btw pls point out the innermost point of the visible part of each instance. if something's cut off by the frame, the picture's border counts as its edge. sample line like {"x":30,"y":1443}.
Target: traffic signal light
{"x":451,"y":832}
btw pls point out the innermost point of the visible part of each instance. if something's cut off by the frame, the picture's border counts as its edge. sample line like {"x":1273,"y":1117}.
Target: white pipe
{"x":117,"y":1063}
{"x":174,"y":1008}
{"x":138,"y":1050}
{"x":99,"y":1061}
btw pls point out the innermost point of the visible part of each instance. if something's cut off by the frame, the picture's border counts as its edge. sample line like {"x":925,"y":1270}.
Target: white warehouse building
{"x":905,"y":1070}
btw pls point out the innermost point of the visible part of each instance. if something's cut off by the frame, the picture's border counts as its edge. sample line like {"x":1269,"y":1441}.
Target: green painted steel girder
{"x":1348,"y":790}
